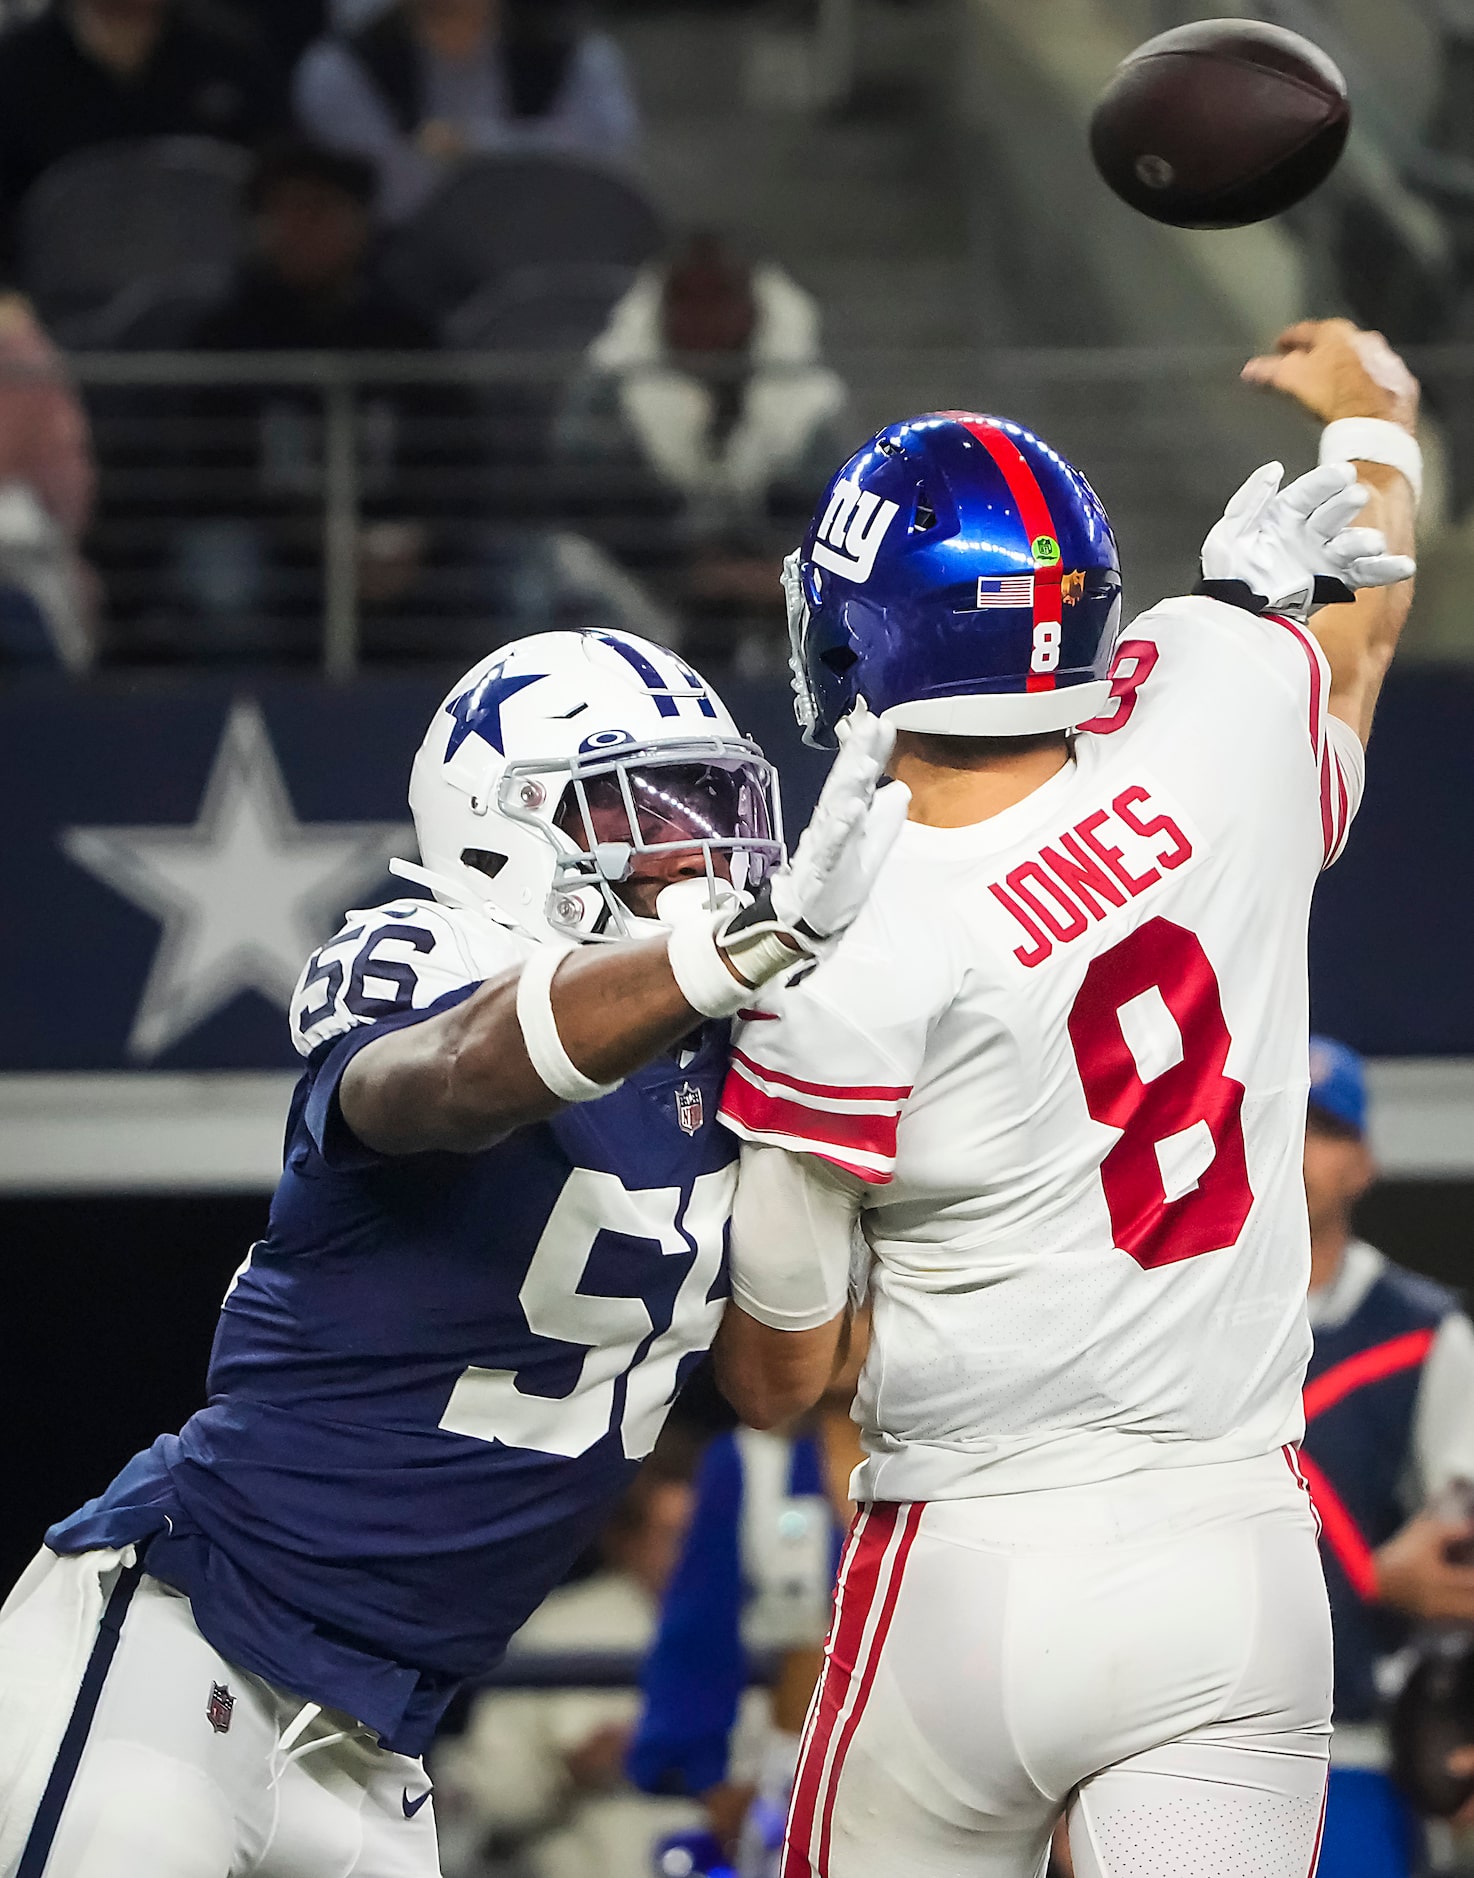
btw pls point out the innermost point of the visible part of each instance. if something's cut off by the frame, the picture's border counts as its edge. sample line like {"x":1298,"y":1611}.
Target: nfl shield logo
{"x":220,"y":1707}
{"x":688,"y":1108}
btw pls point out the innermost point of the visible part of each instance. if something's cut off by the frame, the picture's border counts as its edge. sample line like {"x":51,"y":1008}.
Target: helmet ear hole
{"x":484,"y":861}
{"x":925,"y":516}
{"x":839,"y":659}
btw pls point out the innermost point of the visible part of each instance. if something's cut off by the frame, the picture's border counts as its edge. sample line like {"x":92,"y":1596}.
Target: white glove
{"x":853,"y":826}
{"x":804,"y":908}
{"x":816,"y":897}
{"x":1273,"y":545}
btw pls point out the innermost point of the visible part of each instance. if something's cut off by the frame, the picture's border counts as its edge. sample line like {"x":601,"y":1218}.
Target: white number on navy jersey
{"x":487,"y":1405}
{"x":400,"y":957}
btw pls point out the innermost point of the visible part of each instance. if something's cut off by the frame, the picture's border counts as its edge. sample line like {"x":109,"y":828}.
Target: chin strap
{"x":454,"y":893}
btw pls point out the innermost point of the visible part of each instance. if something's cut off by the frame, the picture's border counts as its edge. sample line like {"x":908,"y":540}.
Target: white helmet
{"x":560,"y":758}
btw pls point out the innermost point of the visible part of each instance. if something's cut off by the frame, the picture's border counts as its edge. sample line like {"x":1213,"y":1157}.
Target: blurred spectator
{"x":429,"y":82}
{"x":709,"y":370}
{"x":47,"y":485}
{"x":309,"y":286}
{"x":754,"y":1581}
{"x":288,"y":26}
{"x":1389,"y":1404}
{"x":708,"y":381}
{"x":96,"y":71}
{"x":536,"y":1781}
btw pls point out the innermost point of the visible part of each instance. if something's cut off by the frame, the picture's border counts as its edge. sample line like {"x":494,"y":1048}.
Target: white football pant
{"x":129,"y":1748}
{"x":1152,"y":1655}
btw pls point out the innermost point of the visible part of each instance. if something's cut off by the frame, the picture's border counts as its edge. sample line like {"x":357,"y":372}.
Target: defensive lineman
{"x":496,"y":1247}
{"x":1057,"y":1071}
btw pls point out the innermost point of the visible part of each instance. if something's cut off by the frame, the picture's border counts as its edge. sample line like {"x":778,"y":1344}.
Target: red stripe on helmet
{"x":1038,"y":520}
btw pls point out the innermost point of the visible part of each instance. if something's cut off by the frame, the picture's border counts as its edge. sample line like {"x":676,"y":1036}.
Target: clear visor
{"x":650,"y":817}
{"x":723,"y":810}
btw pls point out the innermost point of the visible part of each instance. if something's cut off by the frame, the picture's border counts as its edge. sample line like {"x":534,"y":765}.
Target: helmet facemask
{"x":616,"y":821}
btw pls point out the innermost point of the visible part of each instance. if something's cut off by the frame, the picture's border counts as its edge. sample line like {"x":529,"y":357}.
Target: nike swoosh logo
{"x":757,"y":1017}
{"x":411,"y":1807}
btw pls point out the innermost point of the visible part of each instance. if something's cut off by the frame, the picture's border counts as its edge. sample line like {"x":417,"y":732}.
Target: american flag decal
{"x":1008,"y":590}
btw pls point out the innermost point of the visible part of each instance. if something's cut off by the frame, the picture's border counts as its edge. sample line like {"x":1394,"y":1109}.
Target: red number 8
{"x":1149,"y":1226}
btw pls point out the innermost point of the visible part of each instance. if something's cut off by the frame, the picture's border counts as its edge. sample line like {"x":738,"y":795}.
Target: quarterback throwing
{"x":1056,"y":1075}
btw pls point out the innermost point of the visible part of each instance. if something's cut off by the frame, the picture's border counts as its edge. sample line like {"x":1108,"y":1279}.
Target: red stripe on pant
{"x":859,"y":1574}
{"x":1320,"y":1831}
{"x":910,"y":1524}
{"x":883,"y":1532}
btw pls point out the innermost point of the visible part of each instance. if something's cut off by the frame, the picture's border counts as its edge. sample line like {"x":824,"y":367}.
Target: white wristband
{"x":552,"y":1062}
{"x":700,"y":969}
{"x":1374,"y":440}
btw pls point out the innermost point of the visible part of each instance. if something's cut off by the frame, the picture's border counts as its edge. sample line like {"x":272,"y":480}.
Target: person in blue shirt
{"x":496,"y":1250}
{"x":1389,"y":1407}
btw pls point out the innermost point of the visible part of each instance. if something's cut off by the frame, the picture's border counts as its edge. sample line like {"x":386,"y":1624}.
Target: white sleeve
{"x":1293,"y":654}
{"x":825,"y":1066}
{"x":794,"y":1224}
{"x":1443,"y":1427}
{"x":392,"y":963}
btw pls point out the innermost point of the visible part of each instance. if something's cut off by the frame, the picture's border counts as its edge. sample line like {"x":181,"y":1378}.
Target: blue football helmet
{"x":962,"y":578}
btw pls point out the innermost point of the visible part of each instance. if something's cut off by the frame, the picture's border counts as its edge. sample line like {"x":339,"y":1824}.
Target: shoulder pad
{"x":405,"y":956}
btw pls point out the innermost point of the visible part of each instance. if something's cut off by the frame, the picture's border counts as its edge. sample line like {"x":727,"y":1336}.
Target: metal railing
{"x":1165,"y":435}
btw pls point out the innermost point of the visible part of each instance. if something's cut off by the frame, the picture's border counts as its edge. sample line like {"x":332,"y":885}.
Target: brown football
{"x":1221,"y":123}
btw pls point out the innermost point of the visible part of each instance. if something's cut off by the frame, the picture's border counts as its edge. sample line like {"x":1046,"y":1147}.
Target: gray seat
{"x":539,"y":309}
{"x":498,"y":215}
{"x":103,"y":219}
{"x":157,"y":313}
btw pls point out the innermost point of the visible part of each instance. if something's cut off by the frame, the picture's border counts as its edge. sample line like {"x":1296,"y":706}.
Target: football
{"x":1220,"y":123}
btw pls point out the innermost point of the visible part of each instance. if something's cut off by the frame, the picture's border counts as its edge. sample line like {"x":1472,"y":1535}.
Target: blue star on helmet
{"x":480,"y":708}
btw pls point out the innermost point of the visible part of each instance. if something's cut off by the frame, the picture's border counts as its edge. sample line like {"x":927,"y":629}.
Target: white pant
{"x":1153,"y":1655}
{"x":185,"y":1766}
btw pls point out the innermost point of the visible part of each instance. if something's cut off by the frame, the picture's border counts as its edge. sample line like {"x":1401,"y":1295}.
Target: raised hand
{"x":1278,"y":542}
{"x":1336,"y":370}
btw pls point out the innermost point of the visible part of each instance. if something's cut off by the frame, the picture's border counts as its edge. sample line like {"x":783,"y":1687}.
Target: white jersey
{"x":1066,"y":1048}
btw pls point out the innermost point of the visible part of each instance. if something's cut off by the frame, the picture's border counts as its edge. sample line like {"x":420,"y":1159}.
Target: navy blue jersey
{"x":436,"y":1372}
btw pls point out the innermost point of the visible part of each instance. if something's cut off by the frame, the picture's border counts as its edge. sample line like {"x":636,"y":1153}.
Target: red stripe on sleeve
{"x":842,"y":1092}
{"x":1308,"y":647}
{"x":1367,"y":1366}
{"x":824,"y":1132}
{"x":1327,"y":814}
{"x":1343,"y":809}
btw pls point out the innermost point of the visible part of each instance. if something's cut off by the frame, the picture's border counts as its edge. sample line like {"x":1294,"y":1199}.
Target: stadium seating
{"x":499,"y":215}
{"x":101,"y":224}
{"x":539,"y":309}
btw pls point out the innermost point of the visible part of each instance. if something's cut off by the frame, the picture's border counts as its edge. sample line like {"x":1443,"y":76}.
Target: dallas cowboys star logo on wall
{"x":244,"y":893}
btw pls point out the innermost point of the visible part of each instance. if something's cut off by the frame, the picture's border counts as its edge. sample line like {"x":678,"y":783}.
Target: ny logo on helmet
{"x":854,"y":525}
